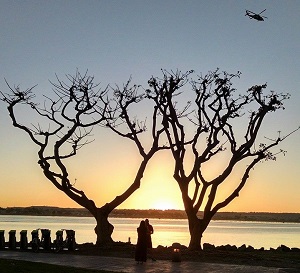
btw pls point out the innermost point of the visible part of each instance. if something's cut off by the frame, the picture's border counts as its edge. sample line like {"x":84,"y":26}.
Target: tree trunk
{"x":196,"y":231}
{"x":103,"y":229}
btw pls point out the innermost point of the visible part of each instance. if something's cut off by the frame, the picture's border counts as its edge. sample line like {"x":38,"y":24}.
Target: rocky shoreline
{"x":281,"y":257}
{"x":249,"y":248}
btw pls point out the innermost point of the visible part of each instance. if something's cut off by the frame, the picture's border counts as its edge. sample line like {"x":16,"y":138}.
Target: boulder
{"x":295,"y":249}
{"x":227,"y":247}
{"x":179,"y":246}
{"x":250,"y":248}
{"x":161,"y":247}
{"x":208,"y":247}
{"x":242,"y":248}
{"x":283,"y":248}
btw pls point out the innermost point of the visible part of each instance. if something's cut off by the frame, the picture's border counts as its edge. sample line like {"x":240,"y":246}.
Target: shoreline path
{"x":129,"y":265}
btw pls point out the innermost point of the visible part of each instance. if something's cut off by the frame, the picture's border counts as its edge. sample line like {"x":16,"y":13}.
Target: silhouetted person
{"x":141,"y":246}
{"x":150,"y":231}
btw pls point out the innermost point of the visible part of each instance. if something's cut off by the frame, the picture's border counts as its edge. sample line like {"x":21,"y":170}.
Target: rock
{"x":242,"y":248}
{"x":231,"y":248}
{"x":283,"y":248}
{"x":208,"y":247}
{"x":250,"y":248}
{"x":222,"y":247}
{"x":295,"y":249}
{"x":227,"y":247}
{"x":161,"y":247}
{"x":179,"y":246}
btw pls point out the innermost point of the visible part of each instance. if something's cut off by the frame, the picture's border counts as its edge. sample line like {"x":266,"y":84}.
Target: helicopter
{"x":256,"y":16}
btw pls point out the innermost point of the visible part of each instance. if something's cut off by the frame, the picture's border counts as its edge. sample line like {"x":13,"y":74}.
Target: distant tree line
{"x":152,"y":213}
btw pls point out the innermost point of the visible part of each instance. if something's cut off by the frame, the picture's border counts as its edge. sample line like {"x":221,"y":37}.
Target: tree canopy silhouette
{"x":207,"y":129}
{"x":65,"y":126}
{"x":198,"y":121}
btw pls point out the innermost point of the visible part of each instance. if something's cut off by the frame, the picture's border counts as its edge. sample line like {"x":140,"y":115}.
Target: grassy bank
{"x":13,"y":266}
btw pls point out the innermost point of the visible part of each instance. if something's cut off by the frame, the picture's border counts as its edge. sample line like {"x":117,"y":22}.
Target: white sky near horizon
{"x":114,"y":40}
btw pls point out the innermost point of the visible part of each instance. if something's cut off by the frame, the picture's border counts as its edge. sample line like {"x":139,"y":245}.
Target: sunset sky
{"x":118,"y":39}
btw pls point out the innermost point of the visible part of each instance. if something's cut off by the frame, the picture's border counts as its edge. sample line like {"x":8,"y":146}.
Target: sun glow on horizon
{"x":164,"y":205}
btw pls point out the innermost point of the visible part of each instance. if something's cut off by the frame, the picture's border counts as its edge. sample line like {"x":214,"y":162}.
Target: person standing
{"x":141,"y":246}
{"x":150,"y":231}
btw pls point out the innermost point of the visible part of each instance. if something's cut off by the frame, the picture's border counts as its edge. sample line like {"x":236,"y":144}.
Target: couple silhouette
{"x":144,"y":241}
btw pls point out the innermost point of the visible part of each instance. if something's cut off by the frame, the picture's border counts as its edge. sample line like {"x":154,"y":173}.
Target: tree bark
{"x":196,"y":228}
{"x":104,"y":228}
{"x":196,"y":235}
{"x":196,"y":225}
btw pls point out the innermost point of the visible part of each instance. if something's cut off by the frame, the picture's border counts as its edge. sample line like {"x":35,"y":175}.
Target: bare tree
{"x":200,"y":131}
{"x":65,"y":126}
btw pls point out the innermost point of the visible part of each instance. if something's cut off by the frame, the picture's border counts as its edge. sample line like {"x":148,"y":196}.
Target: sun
{"x":163,"y":205}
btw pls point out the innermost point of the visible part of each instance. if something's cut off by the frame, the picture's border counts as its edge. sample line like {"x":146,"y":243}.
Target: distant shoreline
{"x":152,"y":213}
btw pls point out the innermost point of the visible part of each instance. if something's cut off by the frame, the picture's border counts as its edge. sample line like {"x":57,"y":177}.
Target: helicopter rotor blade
{"x":262,"y":11}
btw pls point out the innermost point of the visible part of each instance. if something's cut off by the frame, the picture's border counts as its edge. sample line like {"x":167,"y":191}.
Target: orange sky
{"x":272,"y":186}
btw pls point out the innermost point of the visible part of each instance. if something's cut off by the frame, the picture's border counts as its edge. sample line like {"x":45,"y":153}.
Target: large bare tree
{"x":65,"y":124}
{"x":207,"y":128}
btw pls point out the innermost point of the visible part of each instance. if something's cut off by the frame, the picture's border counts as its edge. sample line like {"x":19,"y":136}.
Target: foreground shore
{"x":280,"y":258}
{"x":105,"y":264}
{"x":119,"y":258}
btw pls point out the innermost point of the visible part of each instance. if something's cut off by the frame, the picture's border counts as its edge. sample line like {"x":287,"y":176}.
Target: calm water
{"x":257,"y":234}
